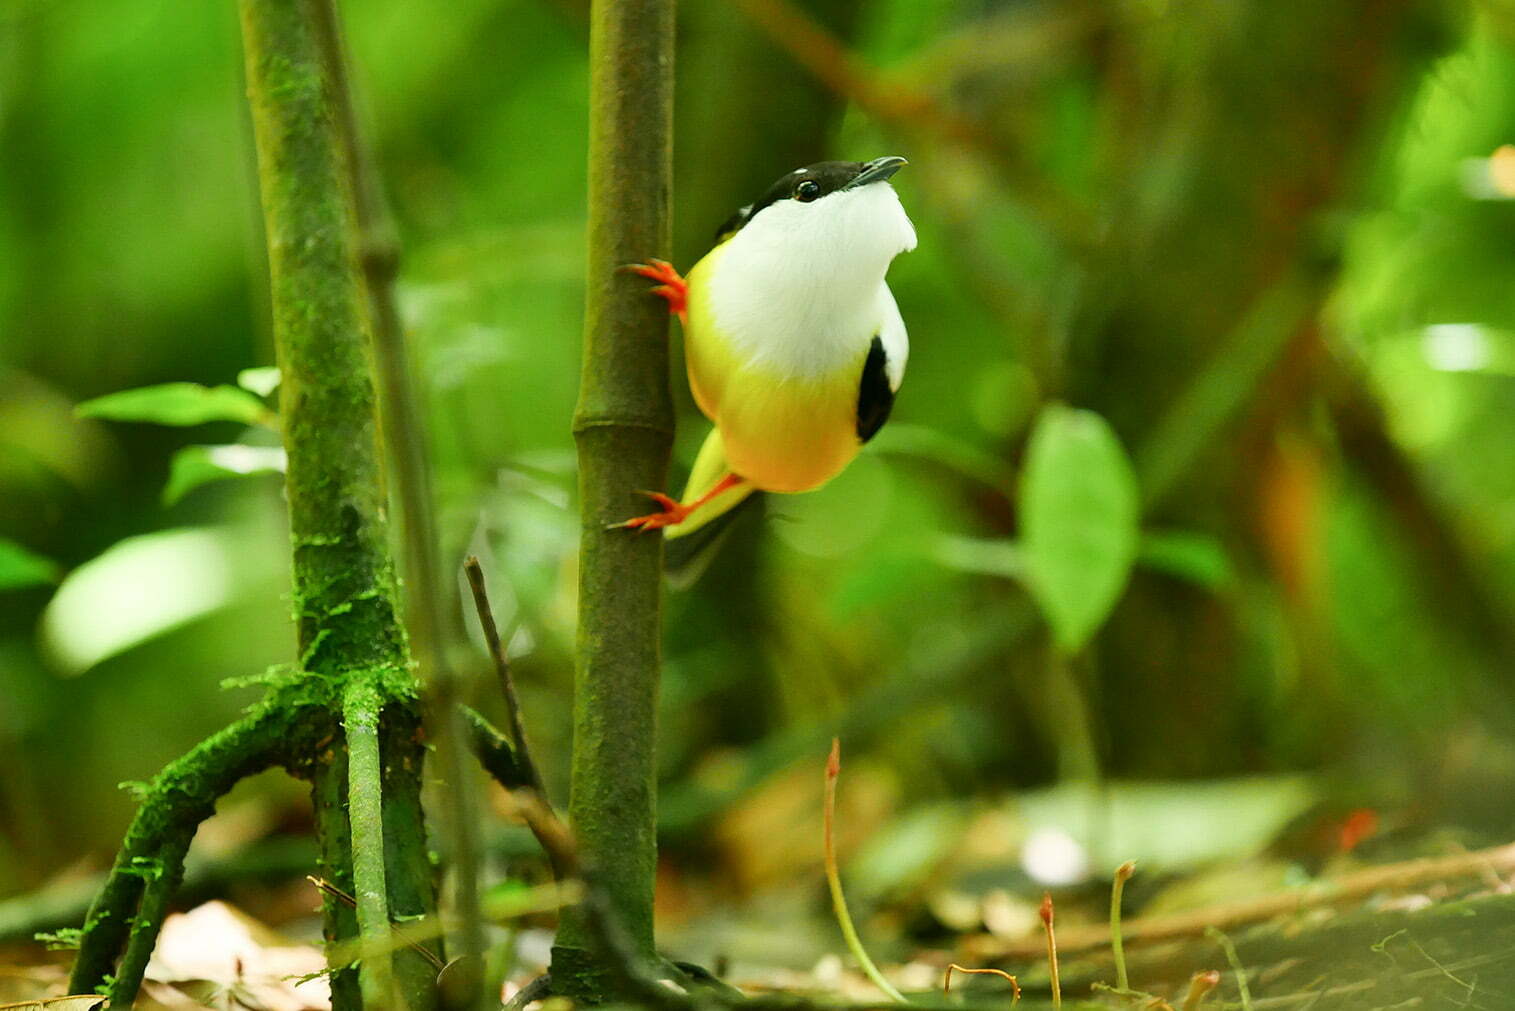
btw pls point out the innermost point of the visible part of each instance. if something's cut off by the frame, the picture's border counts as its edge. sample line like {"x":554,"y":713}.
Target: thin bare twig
{"x":351,"y":902}
{"x":502,"y":671}
{"x":1048,"y":914}
{"x":1014,"y":984}
{"x":1200,"y":984}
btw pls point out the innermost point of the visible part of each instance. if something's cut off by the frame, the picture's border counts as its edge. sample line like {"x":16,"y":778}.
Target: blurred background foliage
{"x":1269,"y":243}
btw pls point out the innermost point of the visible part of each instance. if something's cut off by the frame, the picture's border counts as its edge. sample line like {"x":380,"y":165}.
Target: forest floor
{"x":1396,"y":920}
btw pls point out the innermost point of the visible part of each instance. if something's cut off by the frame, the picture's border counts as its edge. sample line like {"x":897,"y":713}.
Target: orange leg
{"x":673,"y":287}
{"x":673,"y":513}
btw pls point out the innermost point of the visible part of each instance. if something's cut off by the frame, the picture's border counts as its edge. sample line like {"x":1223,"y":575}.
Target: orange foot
{"x":673,"y":287}
{"x":672,"y":515}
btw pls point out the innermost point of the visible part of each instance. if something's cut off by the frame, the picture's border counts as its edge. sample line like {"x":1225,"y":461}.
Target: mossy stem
{"x":180,"y":797}
{"x":163,"y":874}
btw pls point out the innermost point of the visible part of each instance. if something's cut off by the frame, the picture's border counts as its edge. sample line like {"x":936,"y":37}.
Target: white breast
{"x":800,"y":290}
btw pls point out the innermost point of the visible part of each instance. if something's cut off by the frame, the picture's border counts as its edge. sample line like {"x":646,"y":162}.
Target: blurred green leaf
{"x":1079,"y":514}
{"x":179,"y":404}
{"x":923,"y":443}
{"x":262,"y":380}
{"x":1198,"y":558}
{"x":981,"y":556}
{"x":1164,"y":826}
{"x":21,"y":568}
{"x":194,"y":466}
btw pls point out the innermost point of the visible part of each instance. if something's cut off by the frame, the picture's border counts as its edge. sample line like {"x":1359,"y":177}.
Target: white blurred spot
{"x":137,"y":589}
{"x":1456,"y":347}
{"x":828,"y":970}
{"x":1491,"y":178}
{"x":240,"y":459}
{"x":1053,"y":857}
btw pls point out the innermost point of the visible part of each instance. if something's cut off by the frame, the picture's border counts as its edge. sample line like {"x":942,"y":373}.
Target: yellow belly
{"x":782,"y":434}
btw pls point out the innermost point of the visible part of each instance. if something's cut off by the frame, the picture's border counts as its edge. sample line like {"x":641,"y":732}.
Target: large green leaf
{"x":21,"y":568}
{"x":179,"y":404}
{"x":1079,"y":510}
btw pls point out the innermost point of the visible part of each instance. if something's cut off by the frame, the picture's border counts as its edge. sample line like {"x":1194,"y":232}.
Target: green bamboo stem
{"x":624,"y":429}
{"x":345,"y":597}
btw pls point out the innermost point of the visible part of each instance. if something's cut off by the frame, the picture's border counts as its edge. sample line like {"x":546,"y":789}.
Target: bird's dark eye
{"x":807,"y":191}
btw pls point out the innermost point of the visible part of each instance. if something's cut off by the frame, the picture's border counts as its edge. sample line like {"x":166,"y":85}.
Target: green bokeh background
{"x":1269,"y":229}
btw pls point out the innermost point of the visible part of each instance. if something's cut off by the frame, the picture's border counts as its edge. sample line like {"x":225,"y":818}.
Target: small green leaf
{"x":1198,"y":558}
{"x":262,"y":380}
{"x":1079,"y":511}
{"x":179,"y":404}
{"x":21,"y":568}
{"x":194,"y":466}
{"x":62,"y":939}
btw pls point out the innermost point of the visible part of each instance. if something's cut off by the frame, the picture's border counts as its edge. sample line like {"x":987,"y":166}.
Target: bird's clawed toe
{"x":672,"y":514}
{"x":671,"y":288}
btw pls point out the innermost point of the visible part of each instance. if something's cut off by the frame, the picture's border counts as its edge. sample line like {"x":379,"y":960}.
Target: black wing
{"x":875,"y":397}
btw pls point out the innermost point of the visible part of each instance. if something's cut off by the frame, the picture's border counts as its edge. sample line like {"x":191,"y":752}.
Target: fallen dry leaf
{"x":247,"y":965}
{"x":78,"y":1002}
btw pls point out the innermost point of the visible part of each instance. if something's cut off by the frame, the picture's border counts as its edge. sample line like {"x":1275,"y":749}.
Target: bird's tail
{"x":694,"y":543}
{"x":709,"y":467}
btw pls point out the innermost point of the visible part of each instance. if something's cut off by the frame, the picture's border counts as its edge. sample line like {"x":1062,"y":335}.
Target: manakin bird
{"x":795,"y":347}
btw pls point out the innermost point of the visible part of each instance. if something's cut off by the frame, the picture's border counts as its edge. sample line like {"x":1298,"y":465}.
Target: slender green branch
{"x":834,"y":880}
{"x":365,"y":813}
{"x":624,"y":429}
{"x":1223,"y":386}
{"x":339,"y":921}
{"x":1122,"y":875}
{"x":1219,"y":937}
{"x":402,"y":415}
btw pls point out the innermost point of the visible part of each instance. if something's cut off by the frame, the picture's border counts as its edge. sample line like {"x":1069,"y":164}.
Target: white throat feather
{"x":800,"y":289}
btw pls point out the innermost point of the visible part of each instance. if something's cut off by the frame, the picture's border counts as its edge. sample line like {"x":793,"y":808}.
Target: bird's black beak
{"x":877,"y":171}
